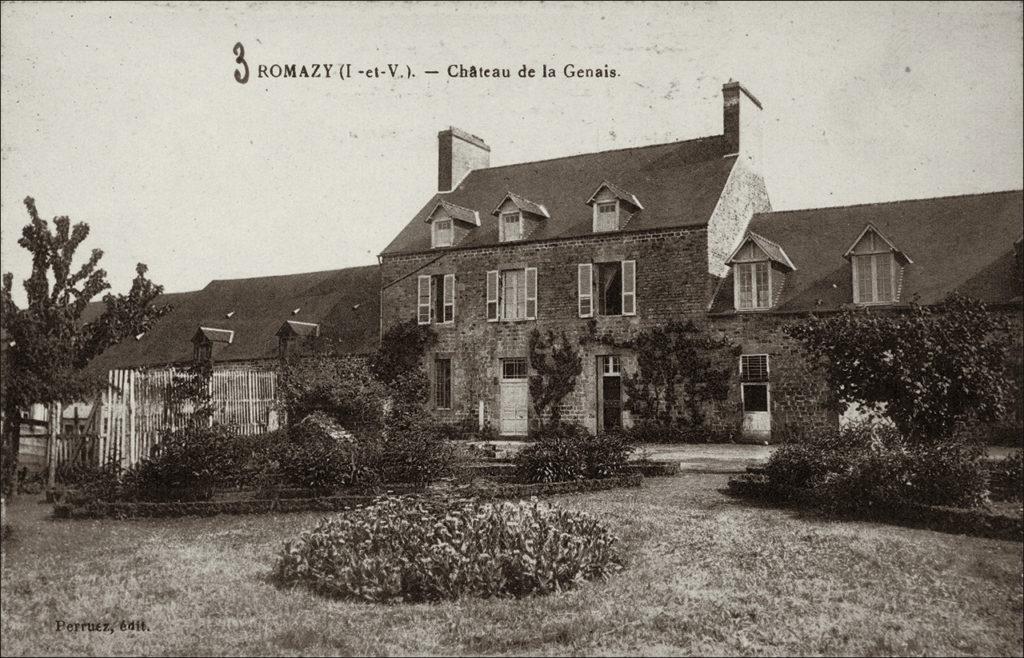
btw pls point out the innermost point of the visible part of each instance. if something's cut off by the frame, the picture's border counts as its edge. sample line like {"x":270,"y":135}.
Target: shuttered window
{"x":442,"y":232}
{"x":629,"y":287}
{"x":492,"y":296}
{"x":531,"y":293}
{"x":449,"y":298}
{"x":423,"y":300}
{"x":585,"y":277}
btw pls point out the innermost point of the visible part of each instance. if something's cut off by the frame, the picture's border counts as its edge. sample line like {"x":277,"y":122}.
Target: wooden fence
{"x":138,"y":405}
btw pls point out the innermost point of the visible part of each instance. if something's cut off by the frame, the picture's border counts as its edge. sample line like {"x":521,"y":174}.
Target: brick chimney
{"x":741,"y":122}
{"x":459,"y":153}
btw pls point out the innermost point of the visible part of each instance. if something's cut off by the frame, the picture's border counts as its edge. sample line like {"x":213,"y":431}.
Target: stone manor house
{"x":613,"y":242}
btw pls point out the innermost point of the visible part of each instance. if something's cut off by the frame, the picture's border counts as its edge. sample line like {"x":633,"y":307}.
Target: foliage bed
{"x":570,"y":452}
{"x":861,"y":466}
{"x":405,"y":549}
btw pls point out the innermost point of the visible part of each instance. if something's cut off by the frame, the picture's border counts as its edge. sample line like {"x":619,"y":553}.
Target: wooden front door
{"x":514,"y":398}
{"x":609,"y":377}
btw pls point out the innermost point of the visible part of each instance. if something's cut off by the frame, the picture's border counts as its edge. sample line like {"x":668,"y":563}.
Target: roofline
{"x":871,"y":227}
{"x":281,"y":276}
{"x":752,"y":235}
{"x":882,"y":203}
{"x":585,"y":153}
{"x":441,"y":251}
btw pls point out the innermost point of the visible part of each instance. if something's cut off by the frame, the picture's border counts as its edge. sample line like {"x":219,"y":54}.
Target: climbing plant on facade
{"x":556,"y":364}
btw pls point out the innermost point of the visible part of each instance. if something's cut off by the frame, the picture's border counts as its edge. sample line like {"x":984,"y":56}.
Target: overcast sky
{"x":128,"y":117}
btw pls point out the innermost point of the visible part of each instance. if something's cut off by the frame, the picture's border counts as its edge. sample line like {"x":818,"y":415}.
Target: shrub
{"x":317,"y":453}
{"x":860,"y":467}
{"x":417,"y":549}
{"x":1008,"y":476}
{"x":570,"y":452}
{"x":412,"y":451}
{"x":343,"y":390}
{"x":93,"y":481}
{"x":184,"y":465}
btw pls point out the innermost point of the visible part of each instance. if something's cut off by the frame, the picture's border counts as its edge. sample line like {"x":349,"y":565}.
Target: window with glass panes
{"x":873,"y":270}
{"x":512,"y":226}
{"x":442,"y":233}
{"x":443,"y":383}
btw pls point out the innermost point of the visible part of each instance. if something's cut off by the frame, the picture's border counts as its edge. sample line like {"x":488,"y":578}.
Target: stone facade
{"x":671,"y":284}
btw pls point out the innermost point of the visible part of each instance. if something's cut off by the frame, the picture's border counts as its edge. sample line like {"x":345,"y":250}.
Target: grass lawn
{"x":707,"y":574}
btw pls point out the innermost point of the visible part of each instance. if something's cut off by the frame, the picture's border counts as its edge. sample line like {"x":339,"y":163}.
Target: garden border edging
{"x":135,"y":510}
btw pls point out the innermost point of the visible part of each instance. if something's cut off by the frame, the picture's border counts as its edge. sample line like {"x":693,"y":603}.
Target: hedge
{"x":132,"y":510}
{"x":955,"y":520}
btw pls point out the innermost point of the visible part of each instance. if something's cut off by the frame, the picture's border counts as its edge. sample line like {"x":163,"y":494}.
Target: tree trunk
{"x":10,"y":448}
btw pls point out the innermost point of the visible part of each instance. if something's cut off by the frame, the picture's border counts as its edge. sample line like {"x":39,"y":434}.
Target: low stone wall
{"x":131,"y":510}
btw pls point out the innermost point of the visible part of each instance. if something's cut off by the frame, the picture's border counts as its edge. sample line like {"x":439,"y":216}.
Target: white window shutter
{"x":449,"y":298}
{"x":585,"y":278}
{"x":531,"y":293}
{"x":492,"y":296}
{"x":423,"y":300}
{"x":629,"y":287}
{"x":856,"y":278}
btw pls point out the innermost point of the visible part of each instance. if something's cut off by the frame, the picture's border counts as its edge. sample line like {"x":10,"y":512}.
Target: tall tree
{"x":46,"y":344}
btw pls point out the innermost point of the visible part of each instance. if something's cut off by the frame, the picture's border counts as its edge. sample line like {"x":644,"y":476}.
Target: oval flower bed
{"x":428,"y":549}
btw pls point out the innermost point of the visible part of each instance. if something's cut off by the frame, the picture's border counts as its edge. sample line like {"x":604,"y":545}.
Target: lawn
{"x":707,"y":574}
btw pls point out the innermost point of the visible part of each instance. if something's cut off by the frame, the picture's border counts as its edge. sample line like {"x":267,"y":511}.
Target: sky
{"x":128,"y":117}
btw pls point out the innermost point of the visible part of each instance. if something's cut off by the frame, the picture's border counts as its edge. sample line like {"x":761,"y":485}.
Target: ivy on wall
{"x":556,"y":364}
{"x":681,"y":368}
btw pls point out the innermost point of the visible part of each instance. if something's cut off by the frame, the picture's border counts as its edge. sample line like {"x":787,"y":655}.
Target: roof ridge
{"x":282,"y":276}
{"x":894,"y":201}
{"x":580,"y":155}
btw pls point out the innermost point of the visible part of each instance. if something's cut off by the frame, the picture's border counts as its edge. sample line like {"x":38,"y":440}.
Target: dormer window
{"x":442,"y":236}
{"x":606,"y":216}
{"x":511,"y":226}
{"x":450,"y":223}
{"x":756,"y":263}
{"x":518,"y":217}
{"x":875,"y":264}
{"x":613,"y":207}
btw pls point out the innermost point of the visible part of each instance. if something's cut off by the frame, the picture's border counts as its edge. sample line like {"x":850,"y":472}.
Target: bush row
{"x":315,"y":454}
{"x":420,"y":549}
{"x":564,"y":451}
{"x":862,"y":467}
{"x":933,"y":517}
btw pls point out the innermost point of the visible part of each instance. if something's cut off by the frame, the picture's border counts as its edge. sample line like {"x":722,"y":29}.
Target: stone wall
{"x":671,"y":283}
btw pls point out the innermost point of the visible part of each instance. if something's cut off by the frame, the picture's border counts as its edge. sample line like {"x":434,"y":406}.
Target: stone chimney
{"x":741,"y":122}
{"x":459,"y":153}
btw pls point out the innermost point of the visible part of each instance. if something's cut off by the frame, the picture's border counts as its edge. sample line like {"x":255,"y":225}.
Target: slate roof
{"x":772,"y":250}
{"x":680,"y":184}
{"x":456,"y":212}
{"x":619,"y":193}
{"x":957,"y":243}
{"x":345,"y":303}
{"x":214,"y":335}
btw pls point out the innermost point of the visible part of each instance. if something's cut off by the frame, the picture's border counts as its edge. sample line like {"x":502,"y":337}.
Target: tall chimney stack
{"x":741,"y":122}
{"x":459,"y":153}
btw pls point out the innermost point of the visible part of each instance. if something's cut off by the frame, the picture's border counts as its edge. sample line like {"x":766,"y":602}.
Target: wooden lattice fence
{"x":138,"y":405}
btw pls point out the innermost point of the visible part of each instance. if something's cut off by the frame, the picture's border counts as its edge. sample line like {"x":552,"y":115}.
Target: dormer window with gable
{"x":875,"y":264}
{"x":518,"y":217}
{"x":449,"y":223}
{"x":756,"y":263}
{"x":612,"y":207}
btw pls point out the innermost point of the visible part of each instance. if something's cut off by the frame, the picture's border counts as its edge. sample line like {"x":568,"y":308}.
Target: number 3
{"x":239,"y":50}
